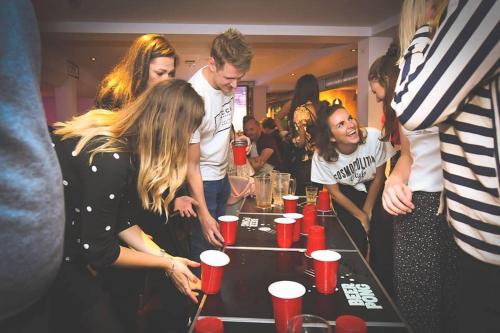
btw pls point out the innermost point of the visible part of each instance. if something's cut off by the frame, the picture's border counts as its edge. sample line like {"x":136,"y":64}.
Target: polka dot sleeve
{"x":105,"y":210}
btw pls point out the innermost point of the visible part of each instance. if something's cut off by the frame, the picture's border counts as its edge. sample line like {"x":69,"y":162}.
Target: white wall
{"x":259,"y":102}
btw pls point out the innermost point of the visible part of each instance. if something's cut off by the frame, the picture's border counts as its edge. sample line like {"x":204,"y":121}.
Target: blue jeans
{"x":216,"y":195}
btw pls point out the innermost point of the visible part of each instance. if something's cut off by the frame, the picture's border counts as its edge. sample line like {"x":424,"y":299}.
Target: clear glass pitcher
{"x":283,"y":184}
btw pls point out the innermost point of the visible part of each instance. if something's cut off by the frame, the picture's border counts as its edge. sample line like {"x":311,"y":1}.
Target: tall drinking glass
{"x":263,"y":191}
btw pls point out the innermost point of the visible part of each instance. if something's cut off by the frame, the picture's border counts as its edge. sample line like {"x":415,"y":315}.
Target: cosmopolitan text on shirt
{"x":355,"y":169}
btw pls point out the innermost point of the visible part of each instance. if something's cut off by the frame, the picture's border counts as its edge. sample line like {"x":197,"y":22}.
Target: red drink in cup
{"x":290,"y":203}
{"x":239,"y":152}
{"x":287,"y":302}
{"x":296,"y":227}
{"x":284,"y":231}
{"x":350,"y":324}
{"x":212,"y":270}
{"x":326,"y":264}
{"x":309,"y":218}
{"x":228,"y":226}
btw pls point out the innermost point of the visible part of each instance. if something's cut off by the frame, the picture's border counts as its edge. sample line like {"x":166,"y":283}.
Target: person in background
{"x":150,"y":59}
{"x":115,"y":166}
{"x":230,"y":59}
{"x":269,"y":127}
{"x":350,"y":162}
{"x":302,"y":129}
{"x":455,"y":85}
{"x":382,"y":77}
{"x":31,"y":195}
{"x":424,"y":268}
{"x":267,"y":148}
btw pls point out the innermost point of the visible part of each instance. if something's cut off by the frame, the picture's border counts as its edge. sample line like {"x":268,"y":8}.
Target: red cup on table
{"x":209,"y":325}
{"x":228,"y":227}
{"x":316,"y":240}
{"x":350,"y":324}
{"x":240,"y":152}
{"x":326,"y":263}
{"x":309,"y":219}
{"x":324,"y":200}
{"x":296,"y":227}
{"x":212,"y":270}
{"x":284,"y":231}
{"x":290,"y":203}
{"x":287,"y":302}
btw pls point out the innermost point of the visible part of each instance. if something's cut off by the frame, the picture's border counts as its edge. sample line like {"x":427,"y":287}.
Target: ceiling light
{"x":293,"y":74}
{"x":354,"y":50}
{"x":337,"y":101}
{"x":93,"y":59}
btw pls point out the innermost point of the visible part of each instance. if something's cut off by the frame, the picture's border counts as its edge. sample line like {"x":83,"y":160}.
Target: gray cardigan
{"x":31,"y":194}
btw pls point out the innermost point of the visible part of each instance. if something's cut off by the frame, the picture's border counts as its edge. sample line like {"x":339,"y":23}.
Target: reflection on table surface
{"x":244,"y":304}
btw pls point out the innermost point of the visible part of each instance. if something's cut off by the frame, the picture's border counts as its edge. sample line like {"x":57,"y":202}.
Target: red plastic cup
{"x":209,"y":325}
{"x":296,"y":227}
{"x":290,"y":203}
{"x":228,"y":226}
{"x":326,"y":263}
{"x":309,"y":219}
{"x":287,"y":302}
{"x":324,"y":200}
{"x":284,"y":231}
{"x":316,"y":240}
{"x":350,"y":324}
{"x":239,"y":152}
{"x":212,"y":270}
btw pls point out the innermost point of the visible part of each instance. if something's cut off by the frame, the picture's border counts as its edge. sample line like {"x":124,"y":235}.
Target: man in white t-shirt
{"x":230,"y":59}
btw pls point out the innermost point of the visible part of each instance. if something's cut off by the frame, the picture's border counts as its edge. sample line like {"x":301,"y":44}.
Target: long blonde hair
{"x":156,"y":128}
{"x":413,"y":16}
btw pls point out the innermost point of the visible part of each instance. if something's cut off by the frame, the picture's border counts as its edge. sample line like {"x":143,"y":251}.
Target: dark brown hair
{"x":385,"y":71}
{"x":327,"y":148}
{"x":130,"y":77}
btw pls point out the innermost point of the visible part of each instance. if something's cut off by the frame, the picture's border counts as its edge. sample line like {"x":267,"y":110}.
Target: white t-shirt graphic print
{"x":213,"y":133}
{"x":354,"y":169}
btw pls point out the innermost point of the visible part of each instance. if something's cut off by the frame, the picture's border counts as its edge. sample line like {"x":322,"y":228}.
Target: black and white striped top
{"x":453,"y":82}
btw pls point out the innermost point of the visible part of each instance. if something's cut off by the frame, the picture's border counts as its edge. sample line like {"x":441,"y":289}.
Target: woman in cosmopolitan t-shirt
{"x":350,"y":162}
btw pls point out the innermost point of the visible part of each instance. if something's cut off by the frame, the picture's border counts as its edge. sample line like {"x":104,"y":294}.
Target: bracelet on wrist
{"x":164,"y":254}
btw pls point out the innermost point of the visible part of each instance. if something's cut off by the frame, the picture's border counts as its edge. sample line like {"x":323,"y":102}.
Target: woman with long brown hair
{"x":302,"y":119}
{"x":115,"y":166}
{"x":350,"y":162}
{"x":150,"y":59}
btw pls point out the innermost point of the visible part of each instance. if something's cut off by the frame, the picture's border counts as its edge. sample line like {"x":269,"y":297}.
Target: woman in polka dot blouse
{"x":116,"y":165}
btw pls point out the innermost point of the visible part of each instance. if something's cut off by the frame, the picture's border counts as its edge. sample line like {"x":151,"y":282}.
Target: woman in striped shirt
{"x":456,"y":86}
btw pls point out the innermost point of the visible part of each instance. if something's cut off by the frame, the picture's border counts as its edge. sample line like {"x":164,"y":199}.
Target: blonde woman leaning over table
{"x":115,"y":166}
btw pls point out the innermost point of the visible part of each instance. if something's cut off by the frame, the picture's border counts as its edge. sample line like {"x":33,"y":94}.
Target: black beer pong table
{"x":244,"y":303}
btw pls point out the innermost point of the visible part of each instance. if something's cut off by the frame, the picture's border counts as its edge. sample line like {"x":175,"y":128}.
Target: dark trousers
{"x":478,"y":295}
{"x":216,"y":195}
{"x":379,"y":237}
{"x":79,"y":303}
{"x":34,"y":319}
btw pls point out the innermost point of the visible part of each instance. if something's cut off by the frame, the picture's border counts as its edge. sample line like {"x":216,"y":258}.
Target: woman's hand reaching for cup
{"x":184,"y":280}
